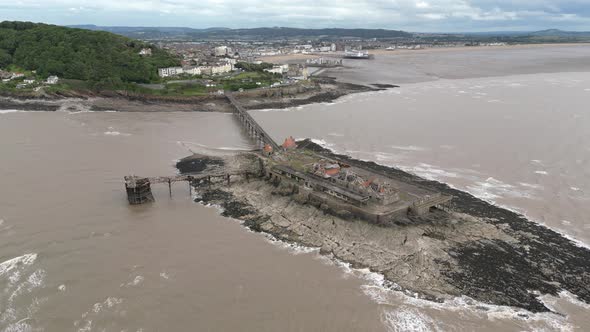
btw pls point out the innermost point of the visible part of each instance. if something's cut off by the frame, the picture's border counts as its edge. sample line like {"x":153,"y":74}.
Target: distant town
{"x":184,"y":62}
{"x":290,"y":61}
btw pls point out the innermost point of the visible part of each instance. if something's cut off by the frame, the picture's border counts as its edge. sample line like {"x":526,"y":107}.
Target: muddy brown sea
{"x":74,"y":256}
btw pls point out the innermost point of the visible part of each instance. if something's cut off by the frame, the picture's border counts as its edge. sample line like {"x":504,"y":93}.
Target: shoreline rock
{"x":488,"y":253}
{"x":326,"y":90}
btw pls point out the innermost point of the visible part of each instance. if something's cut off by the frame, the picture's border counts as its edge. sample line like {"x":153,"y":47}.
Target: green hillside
{"x":94,"y":56}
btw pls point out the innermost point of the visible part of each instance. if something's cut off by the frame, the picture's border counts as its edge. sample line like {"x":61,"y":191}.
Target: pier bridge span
{"x":252,"y":127}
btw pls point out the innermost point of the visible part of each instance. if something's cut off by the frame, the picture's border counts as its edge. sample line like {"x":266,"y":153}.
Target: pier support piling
{"x":138,"y":190}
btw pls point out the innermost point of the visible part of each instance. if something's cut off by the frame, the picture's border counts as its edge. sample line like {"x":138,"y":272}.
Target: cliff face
{"x":485,"y":252}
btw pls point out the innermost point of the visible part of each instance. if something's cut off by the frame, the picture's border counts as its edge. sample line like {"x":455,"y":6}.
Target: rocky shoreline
{"x":326,"y":90}
{"x":486,"y":252}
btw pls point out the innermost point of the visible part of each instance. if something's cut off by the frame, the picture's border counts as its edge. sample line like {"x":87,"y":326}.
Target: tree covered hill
{"x":95,"y":56}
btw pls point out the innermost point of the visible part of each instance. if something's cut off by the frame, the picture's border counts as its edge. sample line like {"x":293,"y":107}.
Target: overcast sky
{"x":410,"y":15}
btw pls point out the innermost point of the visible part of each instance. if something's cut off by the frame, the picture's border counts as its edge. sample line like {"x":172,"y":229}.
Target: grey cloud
{"x":415,"y":15}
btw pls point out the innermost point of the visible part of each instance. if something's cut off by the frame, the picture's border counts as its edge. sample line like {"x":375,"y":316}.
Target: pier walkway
{"x":252,"y":127}
{"x":139,"y":189}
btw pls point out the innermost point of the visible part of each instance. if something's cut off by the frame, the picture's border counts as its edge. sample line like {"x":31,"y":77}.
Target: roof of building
{"x":327,"y":185}
{"x":289,"y":143}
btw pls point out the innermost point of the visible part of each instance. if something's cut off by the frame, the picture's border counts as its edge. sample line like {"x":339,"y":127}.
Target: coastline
{"x":476,"y":48}
{"x":486,"y":252}
{"x":557,"y":255}
{"x":298,"y":57}
{"x":326,"y":89}
{"x":328,"y":86}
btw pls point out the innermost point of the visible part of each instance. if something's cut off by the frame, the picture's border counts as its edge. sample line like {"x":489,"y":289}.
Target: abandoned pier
{"x":333,"y":185}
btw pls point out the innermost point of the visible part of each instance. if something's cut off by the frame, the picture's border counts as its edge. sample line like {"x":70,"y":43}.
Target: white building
{"x":220,"y":69}
{"x":192,"y":70}
{"x":145,"y":52}
{"x":221,"y":51}
{"x":170,"y":71}
{"x":278,"y":69}
{"x":29,"y":81}
{"x":52,"y":80}
{"x":304,"y":47}
{"x":230,"y":60}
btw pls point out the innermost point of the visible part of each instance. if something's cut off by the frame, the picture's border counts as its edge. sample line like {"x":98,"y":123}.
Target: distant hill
{"x":80,"y":54}
{"x":266,"y":33}
{"x":560,"y":33}
{"x":294,"y":32}
{"x":226,"y":33}
{"x":541,"y":33}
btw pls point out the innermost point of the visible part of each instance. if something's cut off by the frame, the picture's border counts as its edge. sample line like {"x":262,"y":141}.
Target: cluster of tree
{"x":253,"y":66}
{"x":95,"y":56}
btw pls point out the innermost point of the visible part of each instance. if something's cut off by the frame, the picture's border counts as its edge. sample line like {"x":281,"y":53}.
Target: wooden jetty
{"x":139,"y":188}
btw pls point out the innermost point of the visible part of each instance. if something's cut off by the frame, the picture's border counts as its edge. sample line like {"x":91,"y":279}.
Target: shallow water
{"x":403,"y":67}
{"x":519,"y":141}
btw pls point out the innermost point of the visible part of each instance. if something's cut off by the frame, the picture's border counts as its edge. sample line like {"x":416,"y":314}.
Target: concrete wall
{"x":330,"y":204}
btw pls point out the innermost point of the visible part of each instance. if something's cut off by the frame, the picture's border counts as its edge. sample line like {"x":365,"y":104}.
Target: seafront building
{"x":221,"y":51}
{"x":220,"y":68}
{"x":52,"y":80}
{"x":170,"y":71}
{"x":278,"y":69}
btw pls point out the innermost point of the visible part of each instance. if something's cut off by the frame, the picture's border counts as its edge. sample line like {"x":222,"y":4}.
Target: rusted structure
{"x":357,"y":191}
{"x":252,"y":127}
{"x":289,"y":143}
{"x":315,"y":182}
{"x":139,"y":188}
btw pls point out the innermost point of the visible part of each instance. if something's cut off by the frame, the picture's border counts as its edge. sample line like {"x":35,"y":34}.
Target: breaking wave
{"x":408,"y":319}
{"x":408,"y":148}
{"x":488,"y":190}
{"x":430,"y":172}
{"x":19,"y":280}
{"x":198,"y":148}
{"x":112,"y":132}
{"x":115,"y":133}
{"x":403,"y":310}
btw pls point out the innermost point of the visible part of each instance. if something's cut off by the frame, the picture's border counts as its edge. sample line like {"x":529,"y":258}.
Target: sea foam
{"x":14,"y":263}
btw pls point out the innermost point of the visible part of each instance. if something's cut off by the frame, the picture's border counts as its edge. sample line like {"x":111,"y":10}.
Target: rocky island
{"x":463,"y":246}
